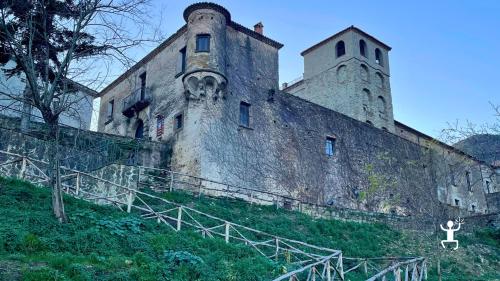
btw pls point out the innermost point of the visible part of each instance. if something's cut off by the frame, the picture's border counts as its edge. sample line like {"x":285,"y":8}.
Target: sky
{"x":445,"y":58}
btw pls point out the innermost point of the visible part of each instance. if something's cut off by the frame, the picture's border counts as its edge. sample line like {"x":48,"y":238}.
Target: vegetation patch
{"x":103,"y":243}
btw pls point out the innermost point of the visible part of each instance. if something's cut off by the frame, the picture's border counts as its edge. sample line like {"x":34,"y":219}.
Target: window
{"x":330,"y":146}
{"x":367,"y":97}
{"x":340,"y":48}
{"x":110,"y":110}
{"x":381,"y":104}
{"x":245,"y":114}
{"x":203,"y":43}
{"x":457,"y":202}
{"x":467,"y":178}
{"x":487,"y":182}
{"x":139,"y":131}
{"x":379,"y":80}
{"x":178,"y":121}
{"x":452,"y":175}
{"x":363,"y":71}
{"x":342,"y":74}
{"x":473,"y":207}
{"x":143,"y":85}
{"x":160,"y":120}
{"x":378,"y":56}
{"x":362,"y":47}
{"x":181,"y":61}
{"x":369,"y":122}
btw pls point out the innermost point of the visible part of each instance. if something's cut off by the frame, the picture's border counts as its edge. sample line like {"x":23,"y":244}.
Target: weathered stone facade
{"x":198,"y":99}
{"x":78,"y":116}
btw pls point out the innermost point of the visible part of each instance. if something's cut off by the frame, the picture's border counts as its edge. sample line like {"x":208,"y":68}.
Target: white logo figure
{"x":450,"y":233}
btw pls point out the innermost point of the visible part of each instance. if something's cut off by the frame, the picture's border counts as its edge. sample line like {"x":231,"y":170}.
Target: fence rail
{"x":310,"y":262}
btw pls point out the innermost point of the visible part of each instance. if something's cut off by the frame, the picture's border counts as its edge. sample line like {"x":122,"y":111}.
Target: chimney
{"x":259,"y":28}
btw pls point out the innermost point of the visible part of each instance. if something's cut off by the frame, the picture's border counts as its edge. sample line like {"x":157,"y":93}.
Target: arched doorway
{"x":139,"y":132}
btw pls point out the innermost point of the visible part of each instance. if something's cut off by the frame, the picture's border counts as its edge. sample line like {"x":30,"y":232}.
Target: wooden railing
{"x":310,"y":262}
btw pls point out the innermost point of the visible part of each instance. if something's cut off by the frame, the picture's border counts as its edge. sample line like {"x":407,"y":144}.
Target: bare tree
{"x":52,"y":43}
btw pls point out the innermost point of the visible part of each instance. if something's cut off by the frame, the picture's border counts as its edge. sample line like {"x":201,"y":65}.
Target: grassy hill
{"x":102,"y":243}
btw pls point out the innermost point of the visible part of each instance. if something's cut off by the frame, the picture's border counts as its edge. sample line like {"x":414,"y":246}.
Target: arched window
{"x":378,"y":57}
{"x":379,"y":80}
{"x":362,"y":47}
{"x":139,"y":131}
{"x":381,"y":104}
{"x":340,"y":48}
{"x":341,"y":73}
{"x":367,"y":97}
{"x":363,"y":71}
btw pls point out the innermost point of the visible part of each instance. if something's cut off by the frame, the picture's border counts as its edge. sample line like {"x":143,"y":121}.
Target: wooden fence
{"x":310,"y":262}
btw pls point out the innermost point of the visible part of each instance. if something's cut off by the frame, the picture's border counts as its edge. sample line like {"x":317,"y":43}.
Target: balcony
{"x":136,"y":101}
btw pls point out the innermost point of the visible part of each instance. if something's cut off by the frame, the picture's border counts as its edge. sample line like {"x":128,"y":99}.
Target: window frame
{"x":160,"y":125}
{"x":337,"y":46}
{"x":143,"y":80}
{"x":109,"y":116}
{"x":182,"y":57}
{"x":244,"y":105}
{"x":329,"y":148}
{"x":468,"y":180}
{"x":198,"y":45}
{"x":178,"y":119}
{"x":363,"y":48}
{"x":379,"y":57}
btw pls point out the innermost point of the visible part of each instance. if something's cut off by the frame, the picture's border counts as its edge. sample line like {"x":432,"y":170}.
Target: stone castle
{"x":212,"y":91}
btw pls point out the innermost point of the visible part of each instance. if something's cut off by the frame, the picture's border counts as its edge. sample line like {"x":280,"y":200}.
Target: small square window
{"x":457,"y":202}
{"x":203,"y":43}
{"x":330,"y":146}
{"x":178,"y":122}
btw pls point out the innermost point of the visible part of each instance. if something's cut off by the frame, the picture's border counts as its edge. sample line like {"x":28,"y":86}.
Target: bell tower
{"x":349,"y":73}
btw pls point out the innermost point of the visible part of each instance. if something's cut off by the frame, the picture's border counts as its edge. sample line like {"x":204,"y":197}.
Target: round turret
{"x":206,"y":50}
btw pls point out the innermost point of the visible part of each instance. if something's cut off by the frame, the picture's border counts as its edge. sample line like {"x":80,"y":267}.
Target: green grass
{"x":102,"y":243}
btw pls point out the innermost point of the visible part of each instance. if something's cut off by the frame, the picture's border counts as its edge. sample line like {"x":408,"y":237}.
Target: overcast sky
{"x":445,"y":56}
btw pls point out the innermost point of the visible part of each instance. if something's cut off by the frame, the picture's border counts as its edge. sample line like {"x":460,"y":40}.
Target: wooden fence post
{"x":130,"y":200}
{"x":77,"y":184}
{"x":226,"y":232}
{"x":276,"y":253}
{"x":23,"y":168}
{"x":328,"y":272}
{"x":340,"y":266}
{"x":179,"y":218}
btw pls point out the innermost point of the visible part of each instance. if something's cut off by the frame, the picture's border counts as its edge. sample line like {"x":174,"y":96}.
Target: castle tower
{"x":349,"y":73}
{"x":205,"y":75}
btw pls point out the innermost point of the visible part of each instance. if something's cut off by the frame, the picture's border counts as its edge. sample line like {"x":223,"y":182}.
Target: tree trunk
{"x":26,"y":110}
{"x":54,"y":173}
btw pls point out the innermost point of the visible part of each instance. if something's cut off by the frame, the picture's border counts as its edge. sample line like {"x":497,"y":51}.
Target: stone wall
{"x":493,"y":201}
{"x":284,"y":151}
{"x":82,"y":150}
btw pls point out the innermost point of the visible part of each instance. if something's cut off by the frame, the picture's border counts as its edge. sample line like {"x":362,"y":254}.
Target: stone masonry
{"x":211,"y":91}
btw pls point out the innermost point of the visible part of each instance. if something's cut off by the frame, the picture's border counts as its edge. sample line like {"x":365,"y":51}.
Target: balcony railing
{"x":136,"y":101}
